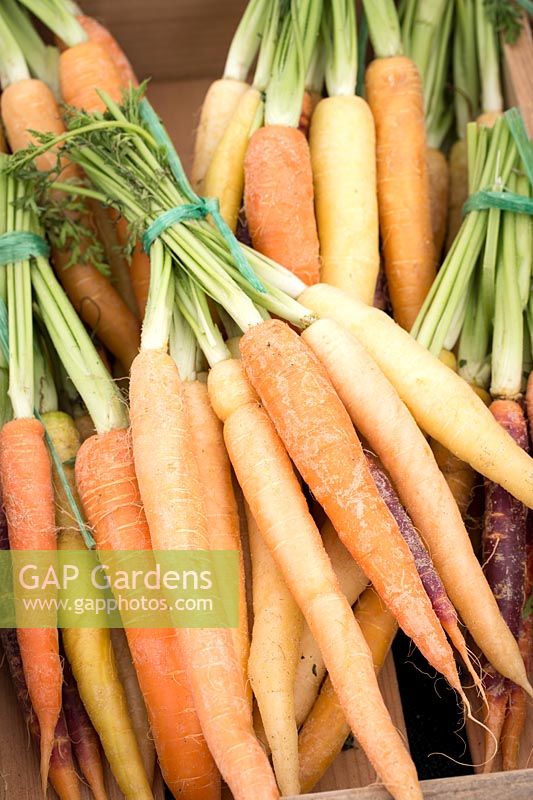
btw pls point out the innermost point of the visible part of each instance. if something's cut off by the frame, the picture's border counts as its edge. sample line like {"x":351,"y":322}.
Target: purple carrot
{"x":62,"y":773}
{"x":429,"y":576}
{"x":85,"y":741}
{"x":504,"y":560}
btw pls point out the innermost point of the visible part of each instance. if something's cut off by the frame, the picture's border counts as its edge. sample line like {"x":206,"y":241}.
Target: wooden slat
{"x":504,"y":786}
{"x":169,"y":39}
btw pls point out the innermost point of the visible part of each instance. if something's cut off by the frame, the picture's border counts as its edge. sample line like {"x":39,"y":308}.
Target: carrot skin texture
{"x":84,"y":68}
{"x":394,"y":93}
{"x":458,"y":191}
{"x":266,"y":475}
{"x":26,"y":481}
{"x":413,"y":470}
{"x":221,"y":509}
{"x":325,"y":730}
{"x":280,"y":213}
{"x":342,"y":146}
{"x":98,"y":33}
{"x":104,"y":472}
{"x":504,"y":534}
{"x":166,"y":468}
{"x":428,"y":389}
{"x":313,"y":424}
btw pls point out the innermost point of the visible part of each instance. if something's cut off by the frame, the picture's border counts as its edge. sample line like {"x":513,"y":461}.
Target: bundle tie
{"x":21,"y":246}
{"x":196,"y":208}
{"x":504,"y":201}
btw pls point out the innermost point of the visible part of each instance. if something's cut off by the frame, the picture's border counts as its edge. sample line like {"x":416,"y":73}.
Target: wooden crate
{"x":181,"y":45}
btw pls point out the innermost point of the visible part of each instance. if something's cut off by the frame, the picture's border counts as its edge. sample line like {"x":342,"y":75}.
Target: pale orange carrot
{"x":273,"y":493}
{"x":170,"y":487}
{"x":321,"y":440}
{"x":83,"y":69}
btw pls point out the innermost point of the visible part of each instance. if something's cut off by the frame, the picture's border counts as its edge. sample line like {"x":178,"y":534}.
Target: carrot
{"x":107,"y":485}
{"x":120,"y":269}
{"x":134,"y":700}
{"x":273,"y":493}
{"x":84,"y":426}
{"x":84,"y":68}
{"x":345,"y":194}
{"x":30,"y":105}
{"x":325,"y":730}
{"x":98,"y":33}
{"x":513,"y":727}
{"x":343,"y":157}
{"x":458,"y":193}
{"x":89,"y":651}
{"x":504,"y":558}
{"x":320,"y":438}
{"x":412,"y":468}
{"x":225,"y":175}
{"x":83,"y":736}
{"x":62,"y":773}
{"x":26,"y":481}
{"x":273,"y":659}
{"x":176,"y":518}
{"x":280,"y":214}
{"x":224,"y":95}
{"x":394,"y":93}
{"x":428,"y":574}
{"x":474,"y":436}
{"x":311,"y":667}
{"x":220,"y":504}
{"x":439,"y":180}
{"x":219,"y":106}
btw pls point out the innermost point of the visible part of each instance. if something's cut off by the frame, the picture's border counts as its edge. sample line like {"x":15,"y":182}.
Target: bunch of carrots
{"x":249,"y":310}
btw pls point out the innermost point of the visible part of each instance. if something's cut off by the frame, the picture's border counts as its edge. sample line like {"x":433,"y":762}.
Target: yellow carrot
{"x":342,"y":145}
{"x":225,"y":176}
{"x":325,"y":729}
{"x":311,"y":668}
{"x":273,"y":658}
{"x":219,"y":105}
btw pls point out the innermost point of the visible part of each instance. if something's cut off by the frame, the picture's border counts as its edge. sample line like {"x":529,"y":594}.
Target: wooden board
{"x":505,"y":786}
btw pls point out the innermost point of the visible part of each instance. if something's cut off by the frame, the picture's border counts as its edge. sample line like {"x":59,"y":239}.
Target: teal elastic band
{"x":505,"y":201}
{"x":21,"y":246}
{"x":197,"y":208}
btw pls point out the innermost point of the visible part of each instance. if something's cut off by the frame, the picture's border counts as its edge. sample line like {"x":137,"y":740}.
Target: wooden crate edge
{"x":498,"y":786}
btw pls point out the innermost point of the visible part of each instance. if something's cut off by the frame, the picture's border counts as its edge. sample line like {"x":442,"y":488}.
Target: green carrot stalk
{"x":489,"y":61}
{"x":465,"y":66}
{"x":60,"y":17}
{"x":246,"y":40}
{"x":384,"y":27}
{"x":267,"y":50}
{"x":42,"y":59}
{"x":13,"y":67}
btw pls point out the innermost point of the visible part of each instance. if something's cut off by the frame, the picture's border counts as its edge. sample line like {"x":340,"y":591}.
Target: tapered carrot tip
{"x":494,"y":720}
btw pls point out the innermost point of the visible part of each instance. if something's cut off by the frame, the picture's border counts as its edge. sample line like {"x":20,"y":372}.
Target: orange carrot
{"x":320,"y":438}
{"x":171,"y":495}
{"x":280,"y":214}
{"x":98,"y":33}
{"x":30,"y":105}
{"x":107,"y":485}
{"x":273,"y":493}
{"x":394,"y":93}
{"x":221,"y":510}
{"x":84,"y":68}
{"x":26,"y":480}
{"x":438,"y":178}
